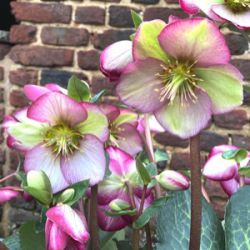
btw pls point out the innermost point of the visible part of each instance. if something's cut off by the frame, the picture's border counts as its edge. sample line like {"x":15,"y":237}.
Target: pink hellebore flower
{"x":115,"y":188}
{"x":225,"y":171}
{"x":122,"y":126}
{"x":8,"y":193}
{"x":65,"y":228}
{"x":62,"y":137}
{"x":179,"y":76}
{"x":234,"y":11}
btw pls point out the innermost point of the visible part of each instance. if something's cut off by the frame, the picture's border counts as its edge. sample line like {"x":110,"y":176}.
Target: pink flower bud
{"x":8,"y":193}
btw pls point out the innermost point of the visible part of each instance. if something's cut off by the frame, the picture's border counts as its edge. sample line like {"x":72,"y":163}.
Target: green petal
{"x":223,"y":84}
{"x":125,"y":116}
{"x":146,"y":43}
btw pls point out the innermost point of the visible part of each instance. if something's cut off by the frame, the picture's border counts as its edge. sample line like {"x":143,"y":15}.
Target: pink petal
{"x":121,"y":163}
{"x":154,"y":125}
{"x":239,"y":19}
{"x":69,"y":221}
{"x":138,"y":87}
{"x":231,"y":186}
{"x":8,"y":193}
{"x":86,"y":163}
{"x":111,"y":111}
{"x":42,"y":158}
{"x":33,"y":92}
{"x":55,"y":108}
{"x":115,"y":58}
{"x":220,"y":149}
{"x":185,"y":120}
{"x":188,"y":40}
{"x":189,"y":6}
{"x":56,"y":239}
{"x":56,"y":88}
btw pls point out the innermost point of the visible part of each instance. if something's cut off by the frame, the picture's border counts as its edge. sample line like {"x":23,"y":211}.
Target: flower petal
{"x":231,"y":186}
{"x":56,"y":88}
{"x":115,"y":58}
{"x":33,"y":92}
{"x":86,"y":163}
{"x":220,"y":149}
{"x":68,"y":221}
{"x":189,"y":6}
{"x":126,"y":116}
{"x":223,"y":87}
{"x":137,"y":86}
{"x":55,"y":107}
{"x":241,"y":19}
{"x":145,"y":43}
{"x":95,"y":124}
{"x":8,"y":193}
{"x":185,"y":120}
{"x":195,"y":40}
{"x":42,"y":158}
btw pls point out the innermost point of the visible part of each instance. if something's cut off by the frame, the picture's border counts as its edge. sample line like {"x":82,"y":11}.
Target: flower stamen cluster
{"x":238,"y":5}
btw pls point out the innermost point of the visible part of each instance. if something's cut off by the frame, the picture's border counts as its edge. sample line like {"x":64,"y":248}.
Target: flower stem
{"x":94,"y":239}
{"x":142,"y":199}
{"x":195,"y":229}
{"x":135,"y":239}
{"x":7,"y":177}
{"x":149,"y":142}
{"x":205,"y":194}
{"x":148,"y":237}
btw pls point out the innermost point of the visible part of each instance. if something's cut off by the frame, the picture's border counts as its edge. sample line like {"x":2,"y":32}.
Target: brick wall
{"x":57,"y":39}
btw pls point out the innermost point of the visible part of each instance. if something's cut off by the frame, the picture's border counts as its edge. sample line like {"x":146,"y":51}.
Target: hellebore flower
{"x":65,"y":228}
{"x":114,"y":189}
{"x":181,"y":73}
{"x":58,"y":137}
{"x":8,"y":193}
{"x":172,"y":180}
{"x":224,"y":170}
{"x":234,"y":11}
{"x":123,"y":129}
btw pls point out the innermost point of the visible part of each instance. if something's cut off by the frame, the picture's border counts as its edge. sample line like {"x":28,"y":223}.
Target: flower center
{"x":115,"y":134}
{"x":62,"y":139}
{"x":180,"y":81}
{"x":238,"y":5}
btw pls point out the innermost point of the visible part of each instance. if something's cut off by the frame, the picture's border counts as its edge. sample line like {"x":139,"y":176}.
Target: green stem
{"x":142,"y":199}
{"x":148,"y":237}
{"x":195,"y":229}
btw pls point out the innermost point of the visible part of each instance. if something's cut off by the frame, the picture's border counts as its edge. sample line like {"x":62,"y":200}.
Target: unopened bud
{"x":119,"y":205}
{"x":66,"y":196}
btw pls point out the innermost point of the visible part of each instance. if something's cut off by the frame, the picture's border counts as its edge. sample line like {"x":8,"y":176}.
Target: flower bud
{"x":66,"y":196}
{"x":7,"y":193}
{"x":172,"y":180}
{"x":119,"y":205}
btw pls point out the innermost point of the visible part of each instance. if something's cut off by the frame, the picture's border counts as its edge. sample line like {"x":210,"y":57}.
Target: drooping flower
{"x":65,"y":228}
{"x":224,"y":170}
{"x":179,"y":76}
{"x":8,"y":193}
{"x":122,"y":129}
{"x":57,"y":135}
{"x":234,"y":11}
{"x":115,"y":188}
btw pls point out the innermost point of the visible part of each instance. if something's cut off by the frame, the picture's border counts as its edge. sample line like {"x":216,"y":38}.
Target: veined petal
{"x":8,"y":193}
{"x":220,"y":169}
{"x":231,"y":186}
{"x":145,"y":43}
{"x":241,"y":19}
{"x":195,"y":40}
{"x":115,"y":58}
{"x":95,"y":124}
{"x":139,"y":84}
{"x":68,"y":221}
{"x":223,"y":86}
{"x":188,"y":119}
{"x":56,"y":239}
{"x":42,"y":158}
{"x":121,"y":163}
{"x":111,"y":111}
{"x":55,"y":107}
{"x":88,"y":162}
{"x":33,"y":92}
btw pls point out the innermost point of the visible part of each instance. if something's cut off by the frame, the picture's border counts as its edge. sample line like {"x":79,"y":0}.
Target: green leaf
{"x":137,"y":18}
{"x":173,"y":225}
{"x":123,"y":245}
{"x":244,"y":171}
{"x":238,"y":155}
{"x":237,"y":220}
{"x":97,"y":97}
{"x":13,"y":241}
{"x":161,"y":155}
{"x":78,"y":90}
{"x":21,"y":176}
{"x":107,"y":239}
{"x":130,"y":212}
{"x":42,"y":196}
{"x":143,"y":172}
{"x":150,"y":212}
{"x":31,"y":239}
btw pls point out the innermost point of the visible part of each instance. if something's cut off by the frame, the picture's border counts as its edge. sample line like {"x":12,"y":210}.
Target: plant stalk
{"x":148,"y":237}
{"x":94,"y":239}
{"x":196,"y":210}
{"x":149,"y":142}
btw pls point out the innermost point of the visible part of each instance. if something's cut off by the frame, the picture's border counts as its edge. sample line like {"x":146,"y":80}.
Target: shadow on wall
{"x":6,"y":17}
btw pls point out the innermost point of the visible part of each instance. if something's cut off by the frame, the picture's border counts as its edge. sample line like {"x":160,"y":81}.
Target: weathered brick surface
{"x":1,"y":73}
{"x":146,"y":1}
{"x":22,"y":34}
{"x":42,"y":13}
{"x":99,"y":83}
{"x":23,"y":76}
{"x":89,"y":60}
{"x":65,"y":36}
{"x":90,"y":15}
{"x":168,"y":139}
{"x":244,"y":66}
{"x":2,"y":113}
{"x":41,"y":56}
{"x":236,"y":43}
{"x":18,"y":99}
{"x":4,"y":50}
{"x":241,"y":141}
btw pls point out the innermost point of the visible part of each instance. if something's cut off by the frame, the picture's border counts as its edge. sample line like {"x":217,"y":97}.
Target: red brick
{"x":146,"y":1}
{"x":99,"y":83}
{"x":65,"y":36}
{"x":18,"y":99}
{"x":4,"y":50}
{"x":22,"y":34}
{"x":1,"y":94}
{"x":243,"y":66}
{"x":89,"y":60}
{"x":1,"y":73}
{"x":90,"y":15}
{"x":2,"y":113}
{"x":23,"y":76}
{"x":235,"y":119}
{"x":168,"y":139}
{"x":41,"y":56}
{"x":42,"y":13}
{"x":241,"y":141}
{"x":102,"y":40}
{"x":214,"y":189}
